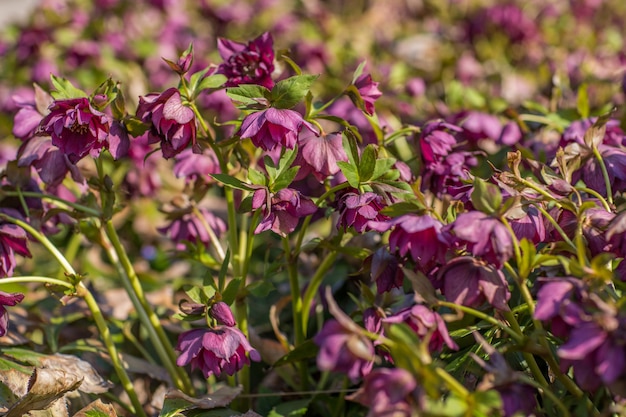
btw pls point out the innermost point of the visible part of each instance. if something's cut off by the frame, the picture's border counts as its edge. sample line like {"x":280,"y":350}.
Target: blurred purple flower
{"x":342,"y":350}
{"x":575,"y":132}
{"x":271,"y":127}
{"x":369,"y":92}
{"x":385,"y":270}
{"x":594,"y":223}
{"x":171,"y":122}
{"x":222,"y":313}
{"x":12,"y":240}
{"x":420,"y":236}
{"x":436,"y":140}
{"x":190,"y":165}
{"x":49,"y":161}
{"x":251,"y":63}
{"x":320,"y":153}
{"x":215,"y":350}
{"x":427,"y":324}
{"x":185,"y":226}
{"x":143,"y":177}
{"x":119,"y":140}
{"x":281,"y":210}
{"x":388,"y":392}
{"x":527,"y":222}
{"x":356,"y":210}
{"x":559,"y":303}
{"x":7,"y":299}
{"x":33,"y":106}
{"x":470,"y":282}
{"x":484,"y":236}
{"x":76,"y":128}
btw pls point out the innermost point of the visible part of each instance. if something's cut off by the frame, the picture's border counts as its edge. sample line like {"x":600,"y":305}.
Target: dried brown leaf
{"x":97,"y":405}
{"x":92,"y":383}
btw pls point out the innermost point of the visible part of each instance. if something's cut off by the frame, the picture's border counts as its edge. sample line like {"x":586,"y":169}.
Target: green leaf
{"x":398,"y":209}
{"x":486,"y":197}
{"x":367,"y":163}
{"x":291,"y":91}
{"x":64,"y":89}
{"x":350,"y":172}
{"x":212,"y":82}
{"x":383,"y":166}
{"x":249,"y":95}
{"x":135,"y":127}
{"x":198,"y":295}
{"x":582,"y":101}
{"x":96,"y":413}
{"x":173,"y":407}
{"x":350,"y":146}
{"x":231,"y":181}
{"x":287,"y":158}
{"x":260,"y":288}
{"x":290,"y":409}
{"x":231,"y":290}
{"x":256,"y":177}
{"x":306,"y":350}
{"x":270,"y":168}
{"x":285,"y":178}
{"x":358,"y":71}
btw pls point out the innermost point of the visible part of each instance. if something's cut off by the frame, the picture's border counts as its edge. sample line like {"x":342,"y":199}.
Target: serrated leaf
{"x":285,"y":179}
{"x":367,"y":164}
{"x":291,"y":91}
{"x":256,"y":177}
{"x":383,"y":165}
{"x":196,"y":77}
{"x":64,"y":89}
{"x":212,"y":82}
{"x":231,"y":181}
{"x":246,"y":95}
{"x":350,"y":172}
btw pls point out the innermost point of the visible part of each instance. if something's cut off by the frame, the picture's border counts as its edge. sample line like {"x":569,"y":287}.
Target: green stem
{"x":452,"y":383}
{"x":83,"y":292}
{"x":296,"y":307}
{"x":62,"y":203}
{"x":313,"y":286}
{"x":34,"y":278}
{"x":212,"y":236}
{"x":556,"y":225}
{"x":605,"y":174}
{"x":146,"y":313}
{"x":598,"y":196}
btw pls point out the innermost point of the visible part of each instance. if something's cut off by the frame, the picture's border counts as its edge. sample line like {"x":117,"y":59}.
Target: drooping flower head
{"x":12,"y":240}
{"x":171,"y":122}
{"x":426,"y":324}
{"x":76,"y":128}
{"x":356,"y":210}
{"x":467,"y":281}
{"x":215,"y":350}
{"x":388,"y":392}
{"x":320,"y":154}
{"x":186,"y":226}
{"x":272,"y":127}
{"x":369,"y":92}
{"x":385,"y":270}
{"x":281,"y":210}
{"x":484,"y":236}
{"x":251,"y":63}
{"x":7,"y":299}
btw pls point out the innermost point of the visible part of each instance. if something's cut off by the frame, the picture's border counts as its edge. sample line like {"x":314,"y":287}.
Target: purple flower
{"x":436,"y":141}
{"x":388,"y":392}
{"x":527,"y":222}
{"x":7,"y":299}
{"x":343,"y":350}
{"x":470,"y":282}
{"x":171,"y":122}
{"x":221,"y":312}
{"x":575,"y":132}
{"x":185,"y":226}
{"x":386,"y":271}
{"x":247,"y":64}
{"x":32,"y":108}
{"x":320,"y":153}
{"x":559,"y":303}
{"x":49,"y":161}
{"x":369,"y":92}
{"x":216,"y":350}
{"x":190,"y":165}
{"x":594,"y":224}
{"x":12,"y":240}
{"x":420,"y":236}
{"x":76,"y":128}
{"x":484,"y":236}
{"x":356,"y":210}
{"x":271,"y":127}
{"x":282,"y":210}
{"x":427,"y":324}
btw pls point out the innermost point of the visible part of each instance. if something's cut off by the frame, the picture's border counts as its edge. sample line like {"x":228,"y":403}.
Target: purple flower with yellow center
{"x":281,"y":210}
{"x":171,"y":122}
{"x":215,"y":350}
{"x":356,"y":210}
{"x":484,"y":236}
{"x":12,"y":240}
{"x":369,"y":92}
{"x":470,"y":282}
{"x":388,"y":392}
{"x":421,"y":237}
{"x":272,"y":127}
{"x":343,"y":350}
{"x":76,"y":128}
{"x":251,"y":63}
{"x":426,"y":324}
{"x":7,"y":299}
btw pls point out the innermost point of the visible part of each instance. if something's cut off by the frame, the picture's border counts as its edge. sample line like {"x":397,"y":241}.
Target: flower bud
{"x":221,"y":312}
